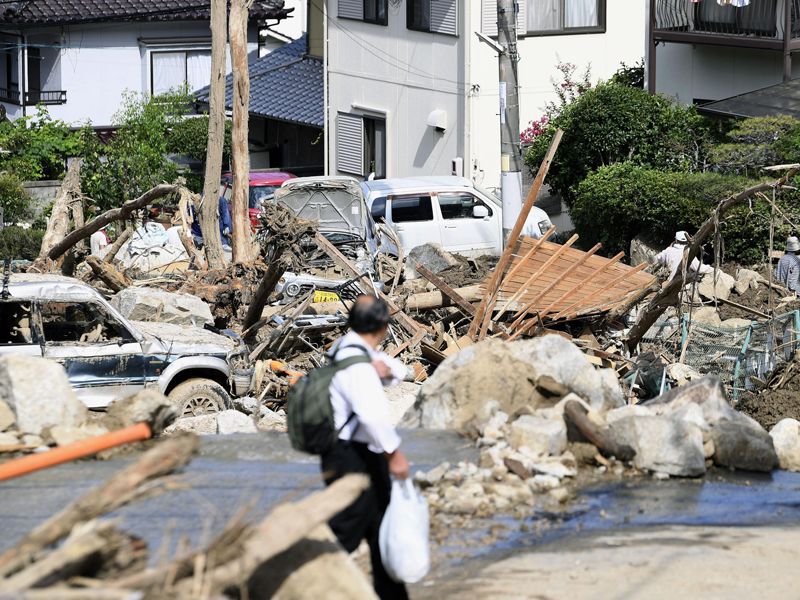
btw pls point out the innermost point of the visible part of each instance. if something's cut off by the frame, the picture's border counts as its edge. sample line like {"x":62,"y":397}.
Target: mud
{"x":469,"y":271}
{"x":771,"y":406}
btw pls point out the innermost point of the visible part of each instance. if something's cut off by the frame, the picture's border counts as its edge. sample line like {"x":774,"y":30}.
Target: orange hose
{"x":280,"y":367}
{"x":56,"y":456}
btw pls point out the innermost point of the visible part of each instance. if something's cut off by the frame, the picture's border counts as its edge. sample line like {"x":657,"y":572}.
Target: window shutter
{"x":522,"y":17}
{"x":489,"y":17}
{"x":444,"y":16}
{"x":351,"y":9}
{"x":350,"y":144}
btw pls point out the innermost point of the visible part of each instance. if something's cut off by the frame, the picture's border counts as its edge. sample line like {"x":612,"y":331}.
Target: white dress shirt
{"x":358,"y":390}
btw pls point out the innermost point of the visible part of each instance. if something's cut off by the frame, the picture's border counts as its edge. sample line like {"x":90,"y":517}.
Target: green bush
{"x":190,"y":137}
{"x":18,"y":243}
{"x":755,"y":143}
{"x":618,"y":202}
{"x":614,"y":123}
{"x":14,"y":202}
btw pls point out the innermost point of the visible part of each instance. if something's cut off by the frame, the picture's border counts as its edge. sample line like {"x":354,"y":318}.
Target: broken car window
{"x":80,"y":322}
{"x":15,"y":323}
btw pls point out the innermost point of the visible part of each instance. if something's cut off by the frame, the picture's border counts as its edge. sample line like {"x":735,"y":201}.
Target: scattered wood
{"x":440,"y":283}
{"x":606,"y":444}
{"x":114,"y":249}
{"x":108,"y":274}
{"x":58,"y":223}
{"x":275,"y":271}
{"x":439,"y":299}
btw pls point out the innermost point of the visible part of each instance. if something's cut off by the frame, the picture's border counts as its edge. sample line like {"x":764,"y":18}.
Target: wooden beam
{"x":415,"y":339}
{"x":440,"y":283}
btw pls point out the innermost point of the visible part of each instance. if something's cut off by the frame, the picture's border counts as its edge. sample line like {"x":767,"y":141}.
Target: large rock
{"x":707,"y":315}
{"x":200,"y":425}
{"x":7,"y":416}
{"x":747,"y":280}
{"x":431,"y":256}
{"x":740,"y":445}
{"x":233,"y":421}
{"x":722,"y":290}
{"x":642,"y":252}
{"x":148,"y":406}
{"x":786,"y":440}
{"x":507,"y":373}
{"x":151,"y":304}
{"x":542,"y":436}
{"x":38,"y":391}
{"x":662,"y":444}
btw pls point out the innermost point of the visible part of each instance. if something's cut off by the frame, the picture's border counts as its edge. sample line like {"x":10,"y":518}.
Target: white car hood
{"x":179,"y":339}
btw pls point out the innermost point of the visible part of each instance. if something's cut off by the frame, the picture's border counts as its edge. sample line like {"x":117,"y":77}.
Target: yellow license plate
{"x":320,"y":296}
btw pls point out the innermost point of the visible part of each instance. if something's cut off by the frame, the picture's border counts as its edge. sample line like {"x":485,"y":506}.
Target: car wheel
{"x":199,"y":396}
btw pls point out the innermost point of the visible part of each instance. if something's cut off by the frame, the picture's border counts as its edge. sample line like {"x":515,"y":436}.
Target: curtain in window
{"x":169,"y":71}
{"x":544,"y":15}
{"x":580,"y":13}
{"x":198,"y":69}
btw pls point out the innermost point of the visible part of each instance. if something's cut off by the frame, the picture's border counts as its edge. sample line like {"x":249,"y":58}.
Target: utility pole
{"x":510,"y":149}
{"x":209,"y":217}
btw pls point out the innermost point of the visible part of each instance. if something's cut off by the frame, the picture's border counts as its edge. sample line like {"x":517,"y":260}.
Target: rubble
{"x":154,"y":304}
{"x":739,"y":444}
{"x":719,"y":288}
{"x":7,"y":416}
{"x":433,"y":256}
{"x":747,"y":279}
{"x":786,"y":440}
{"x":539,"y":434}
{"x":233,"y":421}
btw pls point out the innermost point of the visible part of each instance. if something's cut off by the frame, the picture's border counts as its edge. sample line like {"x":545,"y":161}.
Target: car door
{"x":412,"y":217}
{"x":17,"y":331}
{"x":469,"y":225}
{"x":103,"y":359}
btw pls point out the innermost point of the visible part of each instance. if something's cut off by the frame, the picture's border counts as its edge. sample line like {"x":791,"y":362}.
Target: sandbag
{"x":403,"y":537}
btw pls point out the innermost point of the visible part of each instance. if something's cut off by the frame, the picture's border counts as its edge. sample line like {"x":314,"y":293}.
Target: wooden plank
{"x":585,"y":301}
{"x":417,"y":337}
{"x":440,"y":283}
{"x":497,"y":275}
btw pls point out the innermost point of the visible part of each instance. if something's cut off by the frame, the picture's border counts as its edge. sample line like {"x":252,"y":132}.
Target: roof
{"x":30,"y":286}
{"x":286,"y":85}
{"x":32,"y":13}
{"x":780,"y":99}
{"x":274,"y":178}
{"x":414,"y":183}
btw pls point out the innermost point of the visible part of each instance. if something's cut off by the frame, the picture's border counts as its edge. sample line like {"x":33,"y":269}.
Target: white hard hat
{"x":792,"y":244}
{"x":682,"y":236}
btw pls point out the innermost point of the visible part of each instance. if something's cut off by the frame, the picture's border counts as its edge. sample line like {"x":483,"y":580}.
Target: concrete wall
{"x":689,"y":72}
{"x":403,"y":75}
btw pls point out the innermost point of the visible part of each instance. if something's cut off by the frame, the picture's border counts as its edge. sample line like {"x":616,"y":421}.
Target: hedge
{"x":18,"y":243}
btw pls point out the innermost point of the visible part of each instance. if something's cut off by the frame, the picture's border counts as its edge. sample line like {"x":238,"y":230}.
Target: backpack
{"x":309,"y":411}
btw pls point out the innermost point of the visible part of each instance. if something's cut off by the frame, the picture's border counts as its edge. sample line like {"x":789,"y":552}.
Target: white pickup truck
{"x":449,"y":211}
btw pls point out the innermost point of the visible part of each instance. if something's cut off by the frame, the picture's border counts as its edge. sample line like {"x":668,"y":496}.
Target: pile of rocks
{"x":246,"y":416}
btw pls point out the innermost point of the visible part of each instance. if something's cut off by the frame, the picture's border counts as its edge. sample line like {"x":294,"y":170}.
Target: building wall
{"x":97,"y":63}
{"x":691,"y":72}
{"x":623,"y":41}
{"x":403,"y":75}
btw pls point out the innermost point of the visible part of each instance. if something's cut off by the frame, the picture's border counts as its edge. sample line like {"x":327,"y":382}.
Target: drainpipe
{"x":23,"y":76}
{"x":651,"y":48}
{"x":326,"y":133}
{"x":787,"y":38}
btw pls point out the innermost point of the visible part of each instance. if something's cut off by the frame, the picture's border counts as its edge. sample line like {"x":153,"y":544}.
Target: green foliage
{"x":190,"y":137}
{"x":620,"y":201}
{"x":630,"y":75}
{"x":755,"y":143}
{"x":18,"y":243}
{"x":14,"y":202}
{"x":613,"y":123}
{"x":36,"y":147}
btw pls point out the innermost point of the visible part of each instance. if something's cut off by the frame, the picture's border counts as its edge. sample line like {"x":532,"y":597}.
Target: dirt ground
{"x":664,"y":563}
{"x":771,"y":406}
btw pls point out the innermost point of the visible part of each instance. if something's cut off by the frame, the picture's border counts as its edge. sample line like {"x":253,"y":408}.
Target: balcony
{"x":49,"y":97}
{"x":10,"y":96}
{"x":760,"y":24}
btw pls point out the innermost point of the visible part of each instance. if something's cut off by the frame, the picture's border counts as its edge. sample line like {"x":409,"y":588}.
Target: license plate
{"x":320,"y":296}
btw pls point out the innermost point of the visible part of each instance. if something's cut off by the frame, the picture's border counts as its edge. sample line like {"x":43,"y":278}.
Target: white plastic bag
{"x":403,"y":537}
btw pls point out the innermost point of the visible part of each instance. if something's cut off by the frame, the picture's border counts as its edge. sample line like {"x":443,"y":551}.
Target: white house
{"x":704,"y":50}
{"x":412,"y":90}
{"x":79,"y":57}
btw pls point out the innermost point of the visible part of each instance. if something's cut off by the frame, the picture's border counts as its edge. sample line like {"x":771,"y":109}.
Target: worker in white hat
{"x":787,"y":272}
{"x":672,"y":256}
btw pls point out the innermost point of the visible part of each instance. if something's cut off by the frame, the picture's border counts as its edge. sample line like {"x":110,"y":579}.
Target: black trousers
{"x":362,"y":519}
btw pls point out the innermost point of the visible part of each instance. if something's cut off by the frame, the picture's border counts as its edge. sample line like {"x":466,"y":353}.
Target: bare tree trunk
{"x":241,"y":242}
{"x":58,"y":224}
{"x":209,"y":218}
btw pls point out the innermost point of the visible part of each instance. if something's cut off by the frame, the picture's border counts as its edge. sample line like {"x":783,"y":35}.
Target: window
{"x":375,"y":147}
{"x":260,"y":194}
{"x":459,"y":206}
{"x":361,"y":145}
{"x":545,"y":16}
{"x":412,"y":208}
{"x":378,"y":210}
{"x":15,"y":324}
{"x":435,"y":16}
{"x":84,"y":322}
{"x":371,"y":11}
{"x":179,"y":69}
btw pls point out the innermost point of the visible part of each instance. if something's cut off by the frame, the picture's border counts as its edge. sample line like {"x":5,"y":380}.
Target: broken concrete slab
{"x":233,"y":421}
{"x":152,"y":304}
{"x":7,"y":416}
{"x":740,"y":445}
{"x":540,"y":435}
{"x":720,"y":287}
{"x":663,"y":444}
{"x":37,"y":407}
{"x":432,"y":256}
{"x":786,"y":440}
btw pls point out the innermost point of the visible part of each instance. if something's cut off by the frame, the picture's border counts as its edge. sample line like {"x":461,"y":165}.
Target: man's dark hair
{"x":369,"y":314}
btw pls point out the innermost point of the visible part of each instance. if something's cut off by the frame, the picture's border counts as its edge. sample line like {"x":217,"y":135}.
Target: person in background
{"x":787,"y":273}
{"x":368,"y":442}
{"x":225,"y":225}
{"x":672,"y":256}
{"x":99,"y":242}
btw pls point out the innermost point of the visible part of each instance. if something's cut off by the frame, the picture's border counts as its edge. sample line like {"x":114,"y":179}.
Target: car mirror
{"x":480,"y":212}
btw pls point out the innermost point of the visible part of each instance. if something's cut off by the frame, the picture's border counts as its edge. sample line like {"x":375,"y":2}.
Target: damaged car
{"x":107,"y":357}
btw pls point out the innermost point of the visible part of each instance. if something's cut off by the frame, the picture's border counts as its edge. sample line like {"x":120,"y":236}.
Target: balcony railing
{"x":762,"y":20}
{"x":10,"y":96}
{"x":34,"y":97}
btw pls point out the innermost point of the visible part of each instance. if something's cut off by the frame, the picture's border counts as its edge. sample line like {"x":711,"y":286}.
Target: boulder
{"x":38,"y":391}
{"x":61,"y":435}
{"x":747,"y":279}
{"x":246,"y":404}
{"x":662,"y":444}
{"x":720,"y":288}
{"x":540,"y":435}
{"x":707,"y":315}
{"x":507,"y":373}
{"x":200,"y":425}
{"x":786,"y":440}
{"x":401,"y":397}
{"x":8,"y":439}
{"x":233,"y":421}
{"x":735,"y":323}
{"x":642,"y":252}
{"x":148,"y":406}
{"x":742,"y":445}
{"x":431,"y":256}
{"x":271,"y":421}
{"x":151,"y":304}
{"x":7,"y":416}
{"x":30,"y":439}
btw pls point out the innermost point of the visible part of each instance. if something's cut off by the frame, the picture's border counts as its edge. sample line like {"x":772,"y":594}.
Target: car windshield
{"x":261,"y":194}
{"x":491,"y":195}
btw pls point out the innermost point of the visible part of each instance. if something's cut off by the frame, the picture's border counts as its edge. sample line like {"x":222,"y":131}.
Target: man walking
{"x":368,"y":442}
{"x":787,"y":272}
